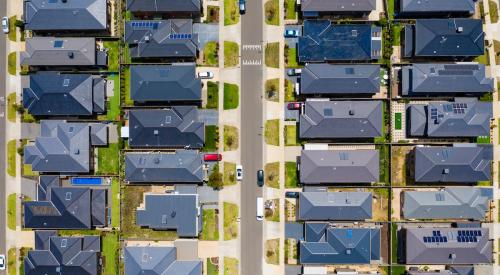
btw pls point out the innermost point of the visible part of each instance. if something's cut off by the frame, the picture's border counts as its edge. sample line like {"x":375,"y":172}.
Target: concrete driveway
{"x":206,"y":33}
{"x":209,"y":116}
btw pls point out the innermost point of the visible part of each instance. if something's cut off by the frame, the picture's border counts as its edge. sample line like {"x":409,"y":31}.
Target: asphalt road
{"x":251,"y":136}
{"x":3,"y":168}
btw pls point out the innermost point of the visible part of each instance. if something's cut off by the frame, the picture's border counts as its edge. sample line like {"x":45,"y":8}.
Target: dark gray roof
{"x":341,"y":119}
{"x":63,"y":255}
{"x":98,"y":134}
{"x":179,"y":126}
{"x":158,"y":260}
{"x":61,"y":15}
{"x":324,"y":206}
{"x":469,"y":203}
{"x":423,"y":79}
{"x":466,"y":117}
{"x":172,"y":38}
{"x":176,"y":82}
{"x":473,"y":250}
{"x":338,"y":5}
{"x":330,"y":245}
{"x":59,"y":51}
{"x":45,"y":183}
{"x":175,"y":6}
{"x":441,"y":6}
{"x":180,"y":212}
{"x":451,"y":270}
{"x":340,"y":79}
{"x":56,"y":94}
{"x":334,"y":166}
{"x":185,"y":166}
{"x":453,"y":164}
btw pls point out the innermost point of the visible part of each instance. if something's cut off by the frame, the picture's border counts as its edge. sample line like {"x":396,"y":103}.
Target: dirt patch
{"x":401,"y":165}
{"x":290,"y":210}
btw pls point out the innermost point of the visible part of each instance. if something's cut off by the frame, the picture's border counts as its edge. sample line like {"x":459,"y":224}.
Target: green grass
{"x":211,"y":138}
{"x":212,"y":95}
{"x":485,"y":183}
{"x":230,"y":221}
{"x":291,"y":58}
{"x":272,"y":89}
{"x":291,"y":175}
{"x":213,"y":14}
{"x":272,"y":12}
{"x":11,"y":157}
{"x":398,"y":121}
{"x":289,"y":93}
{"x":272,"y":55}
{"x":290,"y":10}
{"x":231,"y":96}
{"x":231,"y":54}
{"x":113,"y":48}
{"x":483,"y":59}
{"x":229,"y":173}
{"x":272,"y":132}
{"x":23,"y":252}
{"x":12,"y":261}
{"x":230,"y":138}
{"x":211,"y":54}
{"x":394,"y":243}
{"x":493,"y":11}
{"x":390,"y":8}
{"x":11,"y":107}
{"x":231,"y":12}
{"x":398,"y":270}
{"x":210,"y":231}
{"x":212,"y":269}
{"x":115,"y":202}
{"x":28,"y":172}
{"x":12,"y":28}
{"x":108,"y":159}
{"x":126,"y":86}
{"x":216,"y":179}
{"x":113,"y":111}
{"x":483,"y":140}
{"x":291,"y":135}
{"x":230,"y":266}
{"x":496,"y":46}
{"x":396,"y":34}
{"x":273,"y":215}
{"x":272,"y":174}
{"x":12,"y":61}
{"x":110,"y":253}
{"x":384,"y":163}
{"x":11,"y":211}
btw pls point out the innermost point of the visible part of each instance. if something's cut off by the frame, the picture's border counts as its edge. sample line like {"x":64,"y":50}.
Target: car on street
{"x":260,"y":178}
{"x":242,"y":6}
{"x":2,"y":262}
{"x":239,"y":172}
{"x":212,"y":157}
{"x":294,"y":106}
{"x":292,"y":72}
{"x":260,"y":208}
{"x":206,"y":75}
{"x":5,"y":24}
{"x":291,"y":33}
{"x":292,"y":195}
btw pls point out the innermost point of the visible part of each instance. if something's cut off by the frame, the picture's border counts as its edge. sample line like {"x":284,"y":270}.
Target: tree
{"x":215,"y":180}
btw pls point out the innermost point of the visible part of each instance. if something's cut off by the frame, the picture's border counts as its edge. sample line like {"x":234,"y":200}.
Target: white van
{"x":260,"y":209}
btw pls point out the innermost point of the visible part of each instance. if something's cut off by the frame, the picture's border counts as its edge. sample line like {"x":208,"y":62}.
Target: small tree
{"x":215,"y":180}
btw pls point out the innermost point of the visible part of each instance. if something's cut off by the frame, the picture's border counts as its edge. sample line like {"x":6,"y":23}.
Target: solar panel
{"x":58,"y":43}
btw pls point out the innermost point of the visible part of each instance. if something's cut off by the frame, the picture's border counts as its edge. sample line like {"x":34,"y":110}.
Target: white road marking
{"x":252,"y":47}
{"x":255,"y":62}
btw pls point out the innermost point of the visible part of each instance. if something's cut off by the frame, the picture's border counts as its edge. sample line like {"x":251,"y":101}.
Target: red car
{"x":212,"y":157}
{"x":294,"y":106}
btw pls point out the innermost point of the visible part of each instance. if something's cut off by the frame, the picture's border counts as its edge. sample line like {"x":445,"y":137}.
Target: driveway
{"x":292,"y":41}
{"x":294,"y":230}
{"x":209,"y":117}
{"x":30,"y":130}
{"x":206,"y":33}
{"x":207,"y":194}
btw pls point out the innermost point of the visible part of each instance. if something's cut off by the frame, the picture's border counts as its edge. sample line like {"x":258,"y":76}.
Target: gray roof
{"x":45,"y":183}
{"x":330,"y":245}
{"x":451,"y":270}
{"x":56,"y":255}
{"x":469,"y":203}
{"x":180,"y":212}
{"x":174,"y":6}
{"x":465,"y":117}
{"x":158,"y":260}
{"x":54,"y":94}
{"x":338,"y":5}
{"x":325,"y":206}
{"x":98,"y":134}
{"x":340,"y":79}
{"x":441,"y":6}
{"x":335,"y":166}
{"x":341,"y":119}
{"x":172,"y":38}
{"x":176,"y":82}
{"x":179,"y":126}
{"x":456,"y":249}
{"x":185,"y":166}
{"x":61,"y":15}
{"x":423,"y":79}
{"x":453,"y":164}
{"x":59,"y":51}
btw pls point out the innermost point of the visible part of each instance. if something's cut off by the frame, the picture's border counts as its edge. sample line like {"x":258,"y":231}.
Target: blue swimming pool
{"x":86,"y":181}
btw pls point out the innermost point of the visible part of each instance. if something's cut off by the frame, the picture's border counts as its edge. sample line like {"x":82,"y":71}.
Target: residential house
{"x":173,"y":8}
{"x":323,"y":41}
{"x":335,"y":206}
{"x":315,"y":8}
{"x":450,"y":270}
{"x":418,"y":8}
{"x":339,"y":166}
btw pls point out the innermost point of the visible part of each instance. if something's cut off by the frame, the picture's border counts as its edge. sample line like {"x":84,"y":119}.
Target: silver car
{"x":5,"y":25}
{"x":2,"y":262}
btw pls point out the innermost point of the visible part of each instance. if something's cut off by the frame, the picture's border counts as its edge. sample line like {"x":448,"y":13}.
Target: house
{"x":179,"y":211}
{"x":55,"y":254}
{"x":445,"y":245}
{"x":323,"y":41}
{"x":341,"y":119}
{"x":176,"y":8}
{"x":462,"y":163}
{"x":324,"y":244}
{"x":339,"y":166}
{"x":172,"y":38}
{"x":66,"y":15}
{"x":165,"y":83}
{"x":465,"y":117}
{"x":330,"y":206}
{"x":59,"y":207}
{"x":331,"y":80}
{"x":464,"y":203}
{"x":419,"y":8}
{"x":445,"y":79}
{"x":314,"y":8}
{"x":158,"y":260}
{"x":59,"y":94}
{"x":451,"y":38}
{"x":64,"y":147}
{"x":63,"y":52}
{"x":176,"y":127}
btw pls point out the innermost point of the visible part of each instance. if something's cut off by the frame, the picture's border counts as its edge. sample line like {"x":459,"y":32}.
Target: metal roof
{"x":191,"y":6}
{"x":451,"y":270}
{"x":441,"y":6}
{"x":59,"y":51}
{"x":338,"y":5}
{"x":323,"y":206}
{"x":158,"y":260}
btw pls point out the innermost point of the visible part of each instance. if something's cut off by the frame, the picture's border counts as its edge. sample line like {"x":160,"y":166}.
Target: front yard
{"x":231,"y":54}
{"x":212,"y":95}
{"x":211,"y":54}
{"x":231,"y":96}
{"x":115,"y":202}
{"x":210,"y":231}
{"x":231,"y":214}
{"x":291,"y":175}
{"x":272,"y":131}
{"x":211,"y":138}
{"x":291,"y":135}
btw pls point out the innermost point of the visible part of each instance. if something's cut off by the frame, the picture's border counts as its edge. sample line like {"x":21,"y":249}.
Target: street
{"x":3,"y":74}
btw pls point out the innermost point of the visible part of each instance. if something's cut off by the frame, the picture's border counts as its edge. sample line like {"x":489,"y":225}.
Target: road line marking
{"x":255,"y":62}
{"x":252,"y":47}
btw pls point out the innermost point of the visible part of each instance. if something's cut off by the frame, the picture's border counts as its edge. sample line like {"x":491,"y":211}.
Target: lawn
{"x":11,"y":157}
{"x":212,"y":269}
{"x":384,"y":163}
{"x":291,"y":59}
{"x":291,"y":135}
{"x":231,"y":12}
{"x":493,"y":11}
{"x":272,"y":11}
{"x":11,"y":211}
{"x":229,"y":173}
{"x":108,"y":159}
{"x":272,"y":248}
{"x":210,"y":231}
{"x":390,"y":8}
{"x":291,"y":177}
{"x":230,"y":221}
{"x":483,"y":140}
{"x":273,"y":215}
{"x":289,"y":93}
{"x":28,"y":172}
{"x":212,"y":95}
{"x":396,"y":34}
{"x":231,"y":54}
{"x":12,"y":28}
{"x":290,"y":10}
{"x":113,"y":112}
{"x":272,"y":54}
{"x":110,"y":253}
{"x":12,"y":261}
{"x":272,"y":172}
{"x":215,"y":180}
{"x":126,"y":86}
{"x":230,"y":138}
{"x":394,"y":243}
{"x":230,"y":266}
{"x":113,"y":48}
{"x":398,"y":121}
{"x":115,"y":202}
{"x":211,"y":138}
{"x":12,"y":61}
{"x":212,"y":14}
{"x":11,"y":107}
{"x":231,"y":96}
{"x":496,"y":46}
{"x":211,"y":54}
{"x":272,"y":132}
{"x":272,"y":89}
{"x":483,"y":59}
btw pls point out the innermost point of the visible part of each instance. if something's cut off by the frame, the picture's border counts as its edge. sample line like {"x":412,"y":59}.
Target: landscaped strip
{"x":211,"y":138}
{"x":231,"y":13}
{"x":231,"y":140}
{"x":272,"y":248}
{"x":211,"y":54}
{"x":290,"y":10}
{"x":11,"y":211}
{"x":231,"y":96}
{"x":291,"y":135}
{"x":272,"y":12}
{"x":11,"y":157}
{"x":115,"y":203}
{"x":231,"y":54}
{"x":212,"y":95}
{"x":12,"y":261}
{"x":230,"y":221}
{"x":291,"y":180}
{"x":11,"y":107}
{"x":12,"y":63}
{"x":272,"y":89}
{"x":272,"y":132}
{"x":272,"y":173}
{"x":230,"y":266}
{"x":229,"y":173}
{"x":272,"y":55}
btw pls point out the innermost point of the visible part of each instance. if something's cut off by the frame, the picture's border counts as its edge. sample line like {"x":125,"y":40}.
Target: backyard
{"x":113,"y":49}
{"x":113,"y":112}
{"x":399,"y":161}
{"x":108,"y":159}
{"x":110,"y":253}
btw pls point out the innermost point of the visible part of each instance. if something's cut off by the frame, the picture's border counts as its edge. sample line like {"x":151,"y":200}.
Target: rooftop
{"x":338,"y":5}
{"x":170,"y":6}
{"x":327,"y":206}
{"x":441,"y":6}
{"x":158,"y":260}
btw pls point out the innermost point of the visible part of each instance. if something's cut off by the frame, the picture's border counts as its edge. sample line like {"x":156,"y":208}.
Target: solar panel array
{"x":180,"y":36}
{"x":436,"y":238}
{"x":434,"y":114}
{"x":459,"y":108}
{"x":145,"y":24}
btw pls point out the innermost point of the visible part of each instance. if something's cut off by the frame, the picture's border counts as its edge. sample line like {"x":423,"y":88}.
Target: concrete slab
{"x":209,"y":116}
{"x":187,"y":250}
{"x":206,"y":33}
{"x":294,"y":230}
{"x":207,"y":195}
{"x":291,"y":114}
{"x":30,"y":130}
{"x":293,"y":269}
{"x":28,"y":187}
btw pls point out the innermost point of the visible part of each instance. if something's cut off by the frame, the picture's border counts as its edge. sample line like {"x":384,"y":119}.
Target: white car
{"x":5,"y":25}
{"x":239,"y":172}
{"x":206,"y":75}
{"x":292,"y":72}
{"x":2,"y":262}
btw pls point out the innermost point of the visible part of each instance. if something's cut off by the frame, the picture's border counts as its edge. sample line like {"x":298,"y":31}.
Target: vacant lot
{"x":399,"y":162}
{"x":272,"y":174}
{"x":230,"y":138}
{"x":272,"y":132}
{"x":230,"y":221}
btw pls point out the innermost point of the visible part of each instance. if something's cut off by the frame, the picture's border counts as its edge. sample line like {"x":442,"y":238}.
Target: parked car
{"x":260,"y":178}
{"x":242,"y":6}
{"x":206,"y":75}
{"x":239,"y":172}
{"x":291,"y":33}
{"x":2,"y":262}
{"x":5,"y":24}
{"x":292,"y":72}
{"x":296,"y":88}
{"x":292,"y":194}
{"x":294,"y":106}
{"x":212,"y":157}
